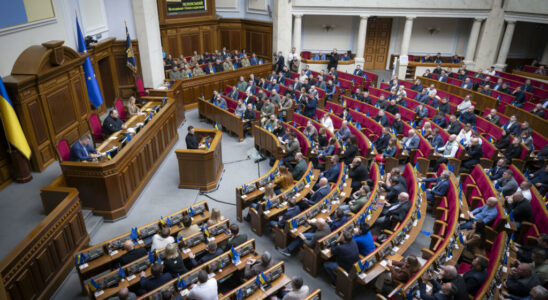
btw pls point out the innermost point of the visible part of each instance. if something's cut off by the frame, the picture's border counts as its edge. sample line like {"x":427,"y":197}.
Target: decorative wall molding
{"x":235,"y":8}
{"x":27,"y":26}
{"x":400,"y":12}
{"x":250,"y":10}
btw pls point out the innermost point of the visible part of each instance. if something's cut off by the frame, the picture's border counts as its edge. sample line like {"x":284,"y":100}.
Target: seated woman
{"x":474,"y":243}
{"x":503,"y":142}
{"x":132,"y":108}
{"x":351,"y":150}
{"x":322,"y":138}
{"x":269,"y":194}
{"x":399,"y":271}
{"x":174,"y":262}
{"x":283,"y":181}
{"x":215,"y":217}
{"x":323,"y":153}
{"x":390,"y":150}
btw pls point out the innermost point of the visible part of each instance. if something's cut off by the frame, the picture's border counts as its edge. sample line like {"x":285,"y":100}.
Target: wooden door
{"x":377,"y":41}
{"x":107,"y":82}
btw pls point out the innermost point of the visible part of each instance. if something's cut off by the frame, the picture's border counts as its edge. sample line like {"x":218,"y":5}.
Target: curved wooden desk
{"x":206,"y":164}
{"x":110,"y":187}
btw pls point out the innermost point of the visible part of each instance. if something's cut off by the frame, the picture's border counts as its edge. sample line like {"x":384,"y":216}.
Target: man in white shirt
{"x":161,"y":240}
{"x":449,"y":150}
{"x":525,"y":189}
{"x":205,"y":289}
{"x":491,"y":71}
{"x":465,"y":135}
{"x":293,"y":55}
{"x":464,"y":105}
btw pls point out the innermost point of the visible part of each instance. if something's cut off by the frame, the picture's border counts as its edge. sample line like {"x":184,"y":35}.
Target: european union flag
{"x":330,"y":110}
{"x":427,"y":233}
{"x":526,"y":174}
{"x":130,"y":56}
{"x":168,"y":222}
{"x":367,"y":114}
{"x":181,"y":284}
{"x":121,"y":272}
{"x":220,"y":263}
{"x":358,"y":126}
{"x":94,"y":93}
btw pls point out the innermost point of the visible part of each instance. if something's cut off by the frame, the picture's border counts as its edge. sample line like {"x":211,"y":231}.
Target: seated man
{"x":158,"y":278}
{"x":506,"y":184}
{"x":205,"y":289}
{"x":236,"y":238}
{"x":346,"y":254}
{"x":496,"y":172}
{"x":254,"y":267}
{"x":540,"y":178}
{"x":364,"y":239}
{"x":333,"y":172}
{"x":308,"y":238}
{"x":395,"y":189}
{"x":300,"y":167}
{"x":359,"y":198}
{"x":540,"y":265}
{"x":297,"y":291}
{"x":382,"y":141}
{"x":343,"y":133}
{"x":248,"y":117}
{"x":520,"y":210}
{"x":291,"y":212}
{"x":525,"y":190}
{"x":393,"y":212}
{"x":82,"y":150}
{"x":475,"y":152}
{"x":189,"y":228}
{"x":468,"y":116}
{"x":212,"y":252}
{"x":485,"y":214}
{"x":112,"y":123}
{"x":358,"y":172}
{"x":381,"y":119}
{"x":124,"y":294}
{"x":412,"y":141}
{"x":440,"y":189}
{"x":476,"y":276}
{"x":520,"y":281}
{"x":340,"y":219}
{"x":316,"y":196}
{"x":132,"y":253}
{"x":292,"y":147}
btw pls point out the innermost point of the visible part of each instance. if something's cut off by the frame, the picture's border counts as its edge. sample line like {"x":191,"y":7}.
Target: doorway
{"x":107,"y":82}
{"x":377,"y":42}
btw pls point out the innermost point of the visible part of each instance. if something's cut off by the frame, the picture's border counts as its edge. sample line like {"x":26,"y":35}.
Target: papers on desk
{"x":384,"y":263}
{"x":130,"y":277}
{"x":186,"y":250}
{"x":83,"y":266}
{"x":395,"y":249}
{"x":415,"y":223}
{"x":307,"y":186}
{"x":98,"y":293}
{"x":297,"y":194}
{"x":112,"y":138}
{"x":462,"y":216}
{"x":244,"y":196}
{"x":504,"y":269}
{"x":141,"y":242}
{"x":266,"y":212}
{"x":163,"y":87}
{"x":211,"y":239}
{"x":507,"y":226}
{"x":261,"y":188}
{"x":343,"y":193}
{"x":113,"y":253}
{"x":293,"y":230}
{"x":184,"y":292}
{"x":407,"y":236}
{"x":131,"y":130}
{"x":313,"y":220}
{"x":362,"y":275}
{"x":326,"y":251}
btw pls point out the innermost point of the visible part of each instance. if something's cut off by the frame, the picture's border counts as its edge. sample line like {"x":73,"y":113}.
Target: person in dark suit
{"x":209,"y":68}
{"x":236,"y":239}
{"x":493,"y":117}
{"x":444,"y":106}
{"x":468,"y":117}
{"x":520,"y":281}
{"x":393,"y":212}
{"x":358,"y":173}
{"x":417,"y":86}
{"x":412,"y":141}
{"x":291,"y":212}
{"x":496,"y":172}
{"x":333,"y":60}
{"x":234,"y":94}
{"x":439,"y":119}
{"x":513,"y":150}
{"x":476,"y":276}
{"x":358,"y":71}
{"x":397,"y":124}
{"x":174,"y":261}
{"x":346,"y":254}
{"x":82,"y":150}
{"x":475,"y":152}
{"x":316,"y":196}
{"x":280,"y":62}
{"x":218,"y":66}
{"x":212,"y":252}
{"x":392,"y":107}
{"x":443,"y":76}
{"x":440,"y":291}
{"x":351,"y":150}
{"x":248,"y":117}
{"x":520,"y":209}
{"x":132,"y":253}
{"x":449,"y":274}
{"x":519,"y":97}
{"x":333,"y":172}
{"x":381,"y":119}
{"x":382,"y":141}
{"x":454,"y":126}
{"x":441,"y":187}
{"x":340,"y":219}
{"x":158,"y":278}
{"x":467,"y":84}
{"x":191,"y":141}
{"x":112,"y":123}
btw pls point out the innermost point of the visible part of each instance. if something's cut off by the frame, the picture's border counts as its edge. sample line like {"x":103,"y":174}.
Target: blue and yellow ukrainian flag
{"x":94,"y":93}
{"x":12,"y":127}
{"x":130,"y":56}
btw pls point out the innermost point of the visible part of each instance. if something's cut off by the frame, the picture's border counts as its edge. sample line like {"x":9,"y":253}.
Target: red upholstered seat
{"x":95,"y":127}
{"x":306,"y":54}
{"x":464,"y":267}
{"x":140,"y":86}
{"x":121,"y":109}
{"x":63,"y":150}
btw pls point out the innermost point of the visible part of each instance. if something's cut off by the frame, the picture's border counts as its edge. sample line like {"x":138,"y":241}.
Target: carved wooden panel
{"x":377,"y":42}
{"x":46,"y":264}
{"x":61,"y":109}
{"x":37,"y":120}
{"x":173,"y":45}
{"x":207,"y":41}
{"x":81,"y":99}
{"x":189,"y":43}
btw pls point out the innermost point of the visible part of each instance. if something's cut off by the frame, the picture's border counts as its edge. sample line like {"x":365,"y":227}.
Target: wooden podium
{"x":201,"y":168}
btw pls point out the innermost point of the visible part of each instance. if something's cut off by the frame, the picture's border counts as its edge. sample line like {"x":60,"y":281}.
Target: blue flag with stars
{"x":94,"y":93}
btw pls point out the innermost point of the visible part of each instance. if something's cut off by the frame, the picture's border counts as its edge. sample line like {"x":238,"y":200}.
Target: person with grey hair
{"x":520,"y":209}
{"x":82,"y":150}
{"x":538,"y":293}
{"x":486,"y":214}
{"x":506,"y":184}
{"x":254,"y":267}
{"x":124,"y":294}
{"x":393,"y":212}
{"x":308,"y":238}
{"x":520,"y":282}
{"x":298,"y":290}
{"x":441,"y":187}
{"x":450,"y":274}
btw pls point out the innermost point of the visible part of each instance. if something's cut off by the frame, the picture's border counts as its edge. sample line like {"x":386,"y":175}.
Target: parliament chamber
{"x":233,"y":149}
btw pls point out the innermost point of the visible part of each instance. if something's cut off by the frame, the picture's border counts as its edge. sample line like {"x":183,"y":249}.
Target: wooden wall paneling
{"x":125,"y":77}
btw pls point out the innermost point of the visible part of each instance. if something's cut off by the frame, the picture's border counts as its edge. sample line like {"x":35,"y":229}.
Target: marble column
{"x":360,"y":53}
{"x":402,"y":70}
{"x":297,"y":27}
{"x":281,"y":27}
{"x":472,"y":43}
{"x":491,"y":34}
{"x":145,"y":13}
{"x":544,"y":59}
{"x":505,"y":46}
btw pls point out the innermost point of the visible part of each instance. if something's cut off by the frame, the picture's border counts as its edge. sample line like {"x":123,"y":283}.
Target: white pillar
{"x":472,"y":43}
{"x":402,"y":69}
{"x":505,"y":46}
{"x":297,"y":27}
{"x":281,"y":27}
{"x":360,"y":53}
{"x":544,"y":59}
{"x":145,"y":13}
